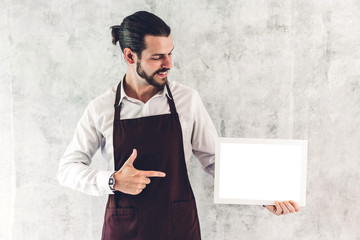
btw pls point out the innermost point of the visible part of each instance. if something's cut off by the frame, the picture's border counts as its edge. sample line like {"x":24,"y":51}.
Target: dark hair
{"x":132,"y":31}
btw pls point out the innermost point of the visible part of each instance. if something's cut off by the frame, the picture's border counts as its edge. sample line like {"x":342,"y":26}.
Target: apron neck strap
{"x":170,"y":100}
{"x":117,"y":106}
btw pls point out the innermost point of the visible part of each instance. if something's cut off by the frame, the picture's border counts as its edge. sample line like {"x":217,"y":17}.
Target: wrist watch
{"x":112,"y":182}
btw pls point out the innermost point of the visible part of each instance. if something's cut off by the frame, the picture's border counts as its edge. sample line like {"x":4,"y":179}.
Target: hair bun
{"x":115,"y":33}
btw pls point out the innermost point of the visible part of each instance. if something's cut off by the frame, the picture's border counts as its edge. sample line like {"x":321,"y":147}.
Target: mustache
{"x":163,"y":70}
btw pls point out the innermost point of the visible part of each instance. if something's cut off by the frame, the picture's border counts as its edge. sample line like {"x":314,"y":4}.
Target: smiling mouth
{"x":162,"y":74}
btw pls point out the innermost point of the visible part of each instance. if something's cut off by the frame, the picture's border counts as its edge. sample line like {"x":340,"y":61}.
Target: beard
{"x":150,"y":79}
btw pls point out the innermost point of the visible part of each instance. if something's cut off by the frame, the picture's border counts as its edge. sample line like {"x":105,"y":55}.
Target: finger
{"x":278,"y":209}
{"x":131,"y":159}
{"x":284,"y":208}
{"x":146,"y":180}
{"x":142,"y":180}
{"x":295,"y":205}
{"x":135,"y":191}
{"x":271,"y":208}
{"x":152,"y":174}
{"x":289,"y":206}
{"x":140,"y":186}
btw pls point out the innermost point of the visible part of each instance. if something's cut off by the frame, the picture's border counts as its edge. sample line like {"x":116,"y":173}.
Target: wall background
{"x":264,"y":69}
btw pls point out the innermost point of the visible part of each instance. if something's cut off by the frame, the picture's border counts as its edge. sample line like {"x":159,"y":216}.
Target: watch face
{"x":111,"y":182}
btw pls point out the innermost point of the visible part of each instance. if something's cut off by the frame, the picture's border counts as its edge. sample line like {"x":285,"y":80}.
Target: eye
{"x":156,"y":58}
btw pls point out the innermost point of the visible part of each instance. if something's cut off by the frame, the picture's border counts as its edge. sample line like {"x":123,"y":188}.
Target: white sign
{"x":260,"y":171}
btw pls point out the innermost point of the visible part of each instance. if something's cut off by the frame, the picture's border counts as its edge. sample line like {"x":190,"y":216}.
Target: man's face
{"x":155,"y":60}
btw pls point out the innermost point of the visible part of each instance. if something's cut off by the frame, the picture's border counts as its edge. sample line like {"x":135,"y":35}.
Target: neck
{"x":137,"y":87}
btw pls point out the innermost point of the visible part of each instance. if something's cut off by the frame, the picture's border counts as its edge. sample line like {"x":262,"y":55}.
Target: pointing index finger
{"x":152,"y":174}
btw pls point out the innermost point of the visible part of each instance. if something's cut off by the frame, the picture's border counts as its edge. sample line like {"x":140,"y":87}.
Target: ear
{"x":129,"y":56}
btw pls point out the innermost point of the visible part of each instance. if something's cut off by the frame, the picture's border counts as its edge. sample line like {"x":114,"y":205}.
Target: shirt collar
{"x":162,"y":93}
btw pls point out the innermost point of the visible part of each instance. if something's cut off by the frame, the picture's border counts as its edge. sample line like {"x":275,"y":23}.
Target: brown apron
{"x":166,"y":208}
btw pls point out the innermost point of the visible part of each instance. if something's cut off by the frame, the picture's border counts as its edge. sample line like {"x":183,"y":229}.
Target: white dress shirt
{"x":95,"y":130}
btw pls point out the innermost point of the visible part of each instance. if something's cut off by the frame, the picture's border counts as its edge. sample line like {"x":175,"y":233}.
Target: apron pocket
{"x":121,"y":223}
{"x":184,"y":220}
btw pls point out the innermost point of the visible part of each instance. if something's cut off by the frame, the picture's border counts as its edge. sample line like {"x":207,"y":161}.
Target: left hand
{"x":283,"y":208}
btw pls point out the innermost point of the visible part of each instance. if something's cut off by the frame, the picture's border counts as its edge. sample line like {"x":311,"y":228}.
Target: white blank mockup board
{"x":260,"y":171}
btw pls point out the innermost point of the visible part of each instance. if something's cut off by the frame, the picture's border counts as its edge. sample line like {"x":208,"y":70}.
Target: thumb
{"x":131,"y":159}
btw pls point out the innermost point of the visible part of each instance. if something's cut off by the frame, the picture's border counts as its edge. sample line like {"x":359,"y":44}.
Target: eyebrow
{"x":161,"y":54}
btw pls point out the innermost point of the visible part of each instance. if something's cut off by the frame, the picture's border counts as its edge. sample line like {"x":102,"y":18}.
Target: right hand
{"x":129,"y":180}
{"x":283,"y":208}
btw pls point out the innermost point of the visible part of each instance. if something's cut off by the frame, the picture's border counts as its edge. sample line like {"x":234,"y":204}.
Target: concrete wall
{"x":264,"y":69}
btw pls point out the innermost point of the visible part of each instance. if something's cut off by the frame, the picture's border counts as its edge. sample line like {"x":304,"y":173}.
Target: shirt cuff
{"x":210,"y":169}
{"x":103,"y":181}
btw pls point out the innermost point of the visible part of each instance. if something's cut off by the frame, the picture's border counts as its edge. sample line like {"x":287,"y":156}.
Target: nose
{"x":166,"y":63}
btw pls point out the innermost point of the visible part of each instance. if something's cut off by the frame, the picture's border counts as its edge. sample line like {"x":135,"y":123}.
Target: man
{"x":147,"y":138}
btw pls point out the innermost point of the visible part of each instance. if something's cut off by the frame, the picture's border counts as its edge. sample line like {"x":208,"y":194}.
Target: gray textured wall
{"x":264,"y":69}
